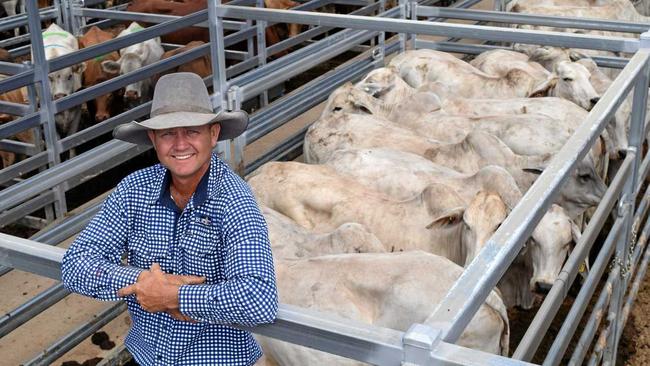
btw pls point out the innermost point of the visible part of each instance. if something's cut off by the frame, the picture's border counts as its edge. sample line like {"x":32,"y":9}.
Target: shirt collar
{"x":206,"y":187}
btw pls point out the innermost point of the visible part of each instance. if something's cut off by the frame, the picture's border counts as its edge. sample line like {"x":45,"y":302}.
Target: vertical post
{"x":261,"y":51}
{"x":381,"y":43}
{"x":237,"y":159}
{"x":41,"y":71}
{"x":403,"y":11}
{"x":627,"y":204}
{"x":413,"y":8}
{"x":38,"y":140}
{"x":219,"y":82}
{"x":76,"y":22}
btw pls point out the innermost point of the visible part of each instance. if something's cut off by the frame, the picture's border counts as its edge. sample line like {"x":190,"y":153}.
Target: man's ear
{"x":215,"y":129}
{"x":151,"y":135}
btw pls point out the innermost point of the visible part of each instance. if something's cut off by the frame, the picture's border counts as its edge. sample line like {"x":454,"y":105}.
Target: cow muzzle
{"x":59,"y":96}
{"x":131,"y":95}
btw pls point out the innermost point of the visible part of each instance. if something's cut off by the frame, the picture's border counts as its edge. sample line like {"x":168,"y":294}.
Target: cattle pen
{"x":616,"y":272}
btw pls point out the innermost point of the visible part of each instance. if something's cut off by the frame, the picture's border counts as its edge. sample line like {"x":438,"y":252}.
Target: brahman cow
{"x":290,"y":240}
{"x":422,"y":67}
{"x":133,"y":58}
{"x":392,"y":290}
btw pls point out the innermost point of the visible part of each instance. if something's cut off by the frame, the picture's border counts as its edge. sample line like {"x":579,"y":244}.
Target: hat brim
{"x":232,"y":124}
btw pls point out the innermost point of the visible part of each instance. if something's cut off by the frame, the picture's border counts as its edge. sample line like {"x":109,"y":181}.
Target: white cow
{"x":58,"y":42}
{"x":420,"y":68}
{"x":572,"y":81}
{"x":392,"y":290}
{"x":10,"y":9}
{"x":319,"y":199}
{"x":290,"y":240}
{"x":401,"y":175}
{"x":345,"y":130}
{"x":133,"y":58}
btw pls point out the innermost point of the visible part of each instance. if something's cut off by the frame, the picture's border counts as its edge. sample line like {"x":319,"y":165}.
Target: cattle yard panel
{"x":293,"y":321}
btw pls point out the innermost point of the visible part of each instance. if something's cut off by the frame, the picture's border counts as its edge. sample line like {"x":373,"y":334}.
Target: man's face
{"x":185,"y":151}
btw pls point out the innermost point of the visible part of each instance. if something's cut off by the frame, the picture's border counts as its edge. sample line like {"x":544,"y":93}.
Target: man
{"x":197,"y":248}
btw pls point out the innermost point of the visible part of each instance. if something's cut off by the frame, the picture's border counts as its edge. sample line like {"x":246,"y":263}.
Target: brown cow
{"x":200,"y":66}
{"x":14,"y":96}
{"x":186,"y":7}
{"x":106,"y":105}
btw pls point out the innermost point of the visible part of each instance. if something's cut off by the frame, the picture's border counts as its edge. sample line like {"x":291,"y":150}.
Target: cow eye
{"x":70,"y":77}
{"x":567,"y":79}
{"x":584,"y":177}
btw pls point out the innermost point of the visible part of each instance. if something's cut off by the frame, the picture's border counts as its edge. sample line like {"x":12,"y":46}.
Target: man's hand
{"x":157,"y":291}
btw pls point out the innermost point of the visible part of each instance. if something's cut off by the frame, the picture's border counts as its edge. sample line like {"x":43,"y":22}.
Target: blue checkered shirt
{"x":220,"y":235}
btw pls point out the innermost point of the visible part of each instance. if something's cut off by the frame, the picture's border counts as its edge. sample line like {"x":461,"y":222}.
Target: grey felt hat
{"x":181,"y":100}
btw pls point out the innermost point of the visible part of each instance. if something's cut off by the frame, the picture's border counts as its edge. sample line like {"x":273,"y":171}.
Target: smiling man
{"x":198,"y":258}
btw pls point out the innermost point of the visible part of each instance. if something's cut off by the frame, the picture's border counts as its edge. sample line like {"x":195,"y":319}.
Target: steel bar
{"x":18,"y":81}
{"x":126,"y":79}
{"x":268,"y":119}
{"x":20,"y":20}
{"x":31,"y":308}
{"x":314,"y":32}
{"x":9,"y":68}
{"x":16,"y":109}
{"x":30,"y":256}
{"x":14,"y":40}
{"x":41,"y":70}
{"x":532,"y":19}
{"x":19,"y":125}
{"x":475,"y":49}
{"x":23,"y":167}
{"x":557,"y":350}
{"x":482,"y":274}
{"x":66,"y":170}
{"x":18,"y":147}
{"x":121,"y":42}
{"x":284,"y":148}
{"x":598,"y":349}
{"x":593,"y":323}
{"x":29,"y":205}
{"x":614,"y":44}
{"x":145,"y":17}
{"x":250,"y":90}
{"x":76,"y":336}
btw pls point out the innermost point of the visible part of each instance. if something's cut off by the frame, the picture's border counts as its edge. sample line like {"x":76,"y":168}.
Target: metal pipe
{"x":479,"y":278}
{"x":31,"y":308}
{"x":568,"y":328}
{"x":18,"y":125}
{"x":553,"y":300}
{"x":533,"y":19}
{"x":22,"y":167}
{"x":76,"y":336}
{"x":614,"y":44}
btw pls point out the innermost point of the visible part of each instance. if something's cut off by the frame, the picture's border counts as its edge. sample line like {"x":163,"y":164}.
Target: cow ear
{"x":576,"y":55}
{"x":452,"y":217}
{"x":111,"y":67}
{"x":536,"y":171}
{"x":79,"y":68}
{"x":544,"y":88}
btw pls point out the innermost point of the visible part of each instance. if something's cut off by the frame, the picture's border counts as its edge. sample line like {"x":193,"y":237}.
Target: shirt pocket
{"x":144,"y":251}
{"x":200,"y":247}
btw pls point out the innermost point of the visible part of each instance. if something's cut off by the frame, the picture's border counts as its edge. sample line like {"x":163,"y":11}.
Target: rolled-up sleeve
{"x":92,"y":265}
{"x":248,"y":296}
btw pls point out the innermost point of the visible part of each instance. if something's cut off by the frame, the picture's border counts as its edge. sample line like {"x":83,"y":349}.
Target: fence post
{"x":41,"y":72}
{"x":624,"y":248}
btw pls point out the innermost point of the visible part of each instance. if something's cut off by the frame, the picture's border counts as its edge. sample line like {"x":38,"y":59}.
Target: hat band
{"x":180,"y":108}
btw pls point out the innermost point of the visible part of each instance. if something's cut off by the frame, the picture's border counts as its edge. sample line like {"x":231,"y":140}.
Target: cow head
{"x":573,"y":84}
{"x":583,"y":189}
{"x":549,"y":246}
{"x":382,"y":81}
{"x":132,"y":59}
{"x":66,"y":81}
{"x":480,"y":220}
{"x":342,"y":100}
